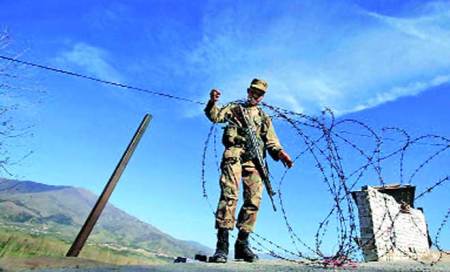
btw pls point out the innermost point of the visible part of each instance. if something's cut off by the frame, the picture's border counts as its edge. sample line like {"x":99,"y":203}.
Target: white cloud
{"x":413,"y":88}
{"x":98,"y":62}
{"x":92,"y":59}
{"x":315,"y":55}
{"x":430,"y":27}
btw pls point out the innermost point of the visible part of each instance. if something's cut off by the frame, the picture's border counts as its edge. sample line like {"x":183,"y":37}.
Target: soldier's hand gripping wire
{"x":214,"y":95}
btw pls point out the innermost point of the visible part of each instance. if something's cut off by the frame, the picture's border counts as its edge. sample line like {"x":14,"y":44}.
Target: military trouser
{"x":232,"y":172}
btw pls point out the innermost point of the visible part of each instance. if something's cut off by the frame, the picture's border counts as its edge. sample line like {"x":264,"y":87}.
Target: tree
{"x":16,"y":90}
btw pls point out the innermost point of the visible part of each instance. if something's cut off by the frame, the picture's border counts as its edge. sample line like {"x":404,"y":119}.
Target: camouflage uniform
{"x":236,"y":164}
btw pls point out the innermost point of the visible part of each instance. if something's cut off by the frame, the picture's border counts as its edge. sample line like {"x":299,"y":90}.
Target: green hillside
{"x":55,"y":214}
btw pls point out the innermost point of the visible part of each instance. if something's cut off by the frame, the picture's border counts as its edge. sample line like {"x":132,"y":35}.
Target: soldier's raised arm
{"x":214,"y":113}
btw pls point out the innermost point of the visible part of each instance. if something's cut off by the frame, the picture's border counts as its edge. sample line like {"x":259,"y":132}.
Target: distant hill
{"x":61,"y":210}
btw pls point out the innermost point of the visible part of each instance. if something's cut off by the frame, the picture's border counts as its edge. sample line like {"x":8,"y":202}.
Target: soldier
{"x":237,"y":164}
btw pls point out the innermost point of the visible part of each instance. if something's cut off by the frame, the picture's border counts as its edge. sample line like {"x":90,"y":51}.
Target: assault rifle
{"x":254,"y":147}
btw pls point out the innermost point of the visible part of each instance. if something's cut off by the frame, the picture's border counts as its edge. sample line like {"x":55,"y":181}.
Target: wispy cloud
{"x":400,"y":91}
{"x":317,"y":55}
{"x":100,"y":63}
{"x":94,"y":60}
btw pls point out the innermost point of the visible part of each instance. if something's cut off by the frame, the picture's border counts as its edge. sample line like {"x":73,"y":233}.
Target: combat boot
{"x":242,"y":249}
{"x":221,"y":254}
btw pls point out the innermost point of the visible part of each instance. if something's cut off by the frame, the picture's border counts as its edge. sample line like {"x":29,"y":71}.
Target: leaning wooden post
{"x":103,"y":199}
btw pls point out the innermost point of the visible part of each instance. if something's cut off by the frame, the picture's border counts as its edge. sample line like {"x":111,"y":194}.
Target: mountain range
{"x":61,"y":211}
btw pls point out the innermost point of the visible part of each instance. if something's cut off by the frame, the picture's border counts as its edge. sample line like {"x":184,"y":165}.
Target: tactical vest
{"x":234,"y":134}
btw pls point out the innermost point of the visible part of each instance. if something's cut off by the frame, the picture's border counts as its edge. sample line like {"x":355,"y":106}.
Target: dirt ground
{"x":60,"y":264}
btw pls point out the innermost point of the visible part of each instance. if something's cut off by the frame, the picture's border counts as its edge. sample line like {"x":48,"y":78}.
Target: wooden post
{"x":103,"y":199}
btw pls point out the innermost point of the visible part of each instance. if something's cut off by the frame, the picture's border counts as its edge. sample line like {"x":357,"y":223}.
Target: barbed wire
{"x":98,"y":80}
{"x":324,"y":148}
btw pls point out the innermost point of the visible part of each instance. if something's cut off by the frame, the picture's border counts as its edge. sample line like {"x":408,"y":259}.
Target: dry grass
{"x":19,"y":244}
{"x":11,"y":263}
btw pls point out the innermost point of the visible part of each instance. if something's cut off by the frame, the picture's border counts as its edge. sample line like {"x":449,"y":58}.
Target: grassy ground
{"x":18,"y":244}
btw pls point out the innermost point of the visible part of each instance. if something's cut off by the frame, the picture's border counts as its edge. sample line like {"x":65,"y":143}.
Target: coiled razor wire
{"x":326,"y":148}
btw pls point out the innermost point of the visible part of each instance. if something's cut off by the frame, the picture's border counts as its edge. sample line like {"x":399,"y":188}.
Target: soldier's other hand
{"x":285,"y":159}
{"x":214,"y":95}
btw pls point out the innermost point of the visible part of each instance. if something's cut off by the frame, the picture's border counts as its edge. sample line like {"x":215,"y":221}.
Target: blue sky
{"x":364,"y":59}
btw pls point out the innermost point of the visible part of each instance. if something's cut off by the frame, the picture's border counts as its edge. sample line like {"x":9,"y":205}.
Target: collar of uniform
{"x":247,"y":105}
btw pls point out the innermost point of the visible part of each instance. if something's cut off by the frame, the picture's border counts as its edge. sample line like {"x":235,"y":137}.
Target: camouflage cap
{"x":259,"y":84}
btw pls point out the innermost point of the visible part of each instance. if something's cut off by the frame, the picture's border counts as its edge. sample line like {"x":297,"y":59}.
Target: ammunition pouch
{"x":231,"y":160}
{"x":232,"y":137}
{"x":248,"y":155}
